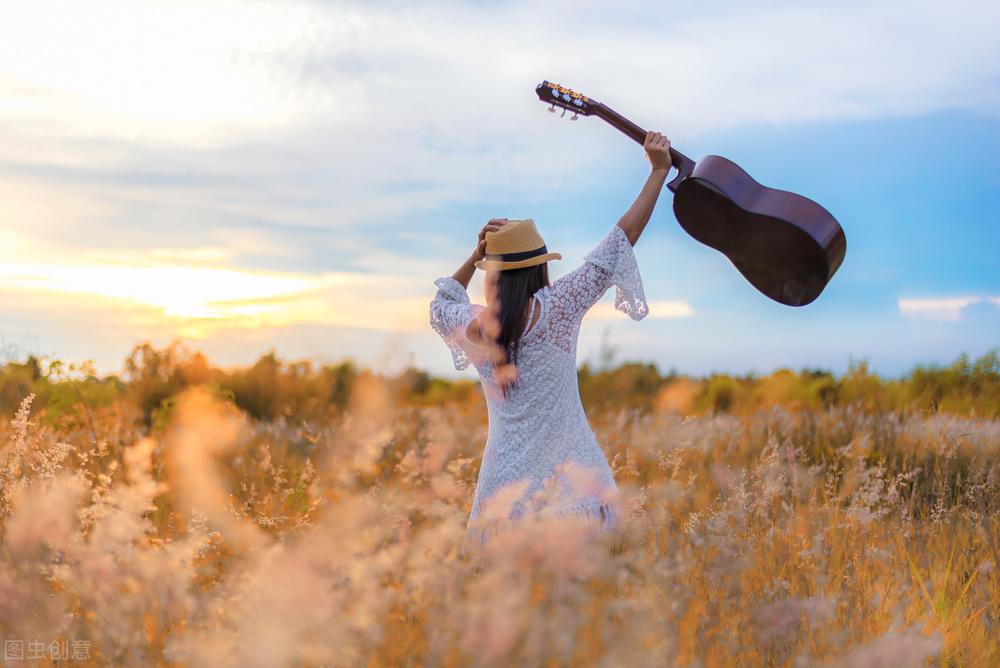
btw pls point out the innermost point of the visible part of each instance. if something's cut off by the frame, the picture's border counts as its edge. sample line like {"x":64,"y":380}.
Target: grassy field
{"x":284,"y":515}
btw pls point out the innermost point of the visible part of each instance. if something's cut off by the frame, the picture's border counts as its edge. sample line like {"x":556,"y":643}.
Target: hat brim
{"x":496,"y":265}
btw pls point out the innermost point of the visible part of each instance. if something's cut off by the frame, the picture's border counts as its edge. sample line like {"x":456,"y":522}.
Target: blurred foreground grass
{"x":286,"y":515}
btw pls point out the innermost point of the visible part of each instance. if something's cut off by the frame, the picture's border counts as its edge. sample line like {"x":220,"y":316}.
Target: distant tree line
{"x":272,"y":388}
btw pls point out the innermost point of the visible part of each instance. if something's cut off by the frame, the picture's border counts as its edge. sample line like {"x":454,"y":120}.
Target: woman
{"x":541,"y":456}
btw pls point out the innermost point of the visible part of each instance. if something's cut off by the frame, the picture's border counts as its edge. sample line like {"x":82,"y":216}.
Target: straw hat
{"x":517,"y":244}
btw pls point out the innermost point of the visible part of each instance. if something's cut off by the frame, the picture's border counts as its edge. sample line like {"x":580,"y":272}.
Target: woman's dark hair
{"x":515,"y":287}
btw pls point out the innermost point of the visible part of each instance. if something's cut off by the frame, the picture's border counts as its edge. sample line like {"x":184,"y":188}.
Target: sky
{"x":253,"y":176}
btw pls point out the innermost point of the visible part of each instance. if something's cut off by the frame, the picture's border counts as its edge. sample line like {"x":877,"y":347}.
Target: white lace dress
{"x":541,"y":454}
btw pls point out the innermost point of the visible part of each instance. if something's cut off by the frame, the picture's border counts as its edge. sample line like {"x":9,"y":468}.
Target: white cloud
{"x":941,"y":308}
{"x":195,"y":73}
{"x":347,"y":105}
{"x":658,"y":310}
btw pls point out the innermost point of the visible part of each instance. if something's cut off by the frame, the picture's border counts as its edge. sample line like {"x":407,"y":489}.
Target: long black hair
{"x":514,"y":289}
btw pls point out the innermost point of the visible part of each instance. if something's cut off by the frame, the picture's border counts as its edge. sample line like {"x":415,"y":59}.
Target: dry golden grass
{"x":811,"y":538}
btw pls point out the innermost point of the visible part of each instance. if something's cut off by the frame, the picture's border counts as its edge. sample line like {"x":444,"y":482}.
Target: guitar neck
{"x":683,"y":163}
{"x":627,"y":127}
{"x":555,"y":95}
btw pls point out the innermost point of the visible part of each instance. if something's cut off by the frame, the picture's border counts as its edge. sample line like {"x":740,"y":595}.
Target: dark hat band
{"x":514,"y":257}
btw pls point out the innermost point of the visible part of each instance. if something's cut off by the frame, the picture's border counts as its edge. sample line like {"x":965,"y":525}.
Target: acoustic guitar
{"x":786,"y":245}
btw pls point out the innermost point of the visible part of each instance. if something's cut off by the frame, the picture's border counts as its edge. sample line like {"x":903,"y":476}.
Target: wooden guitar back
{"x":787,"y":246}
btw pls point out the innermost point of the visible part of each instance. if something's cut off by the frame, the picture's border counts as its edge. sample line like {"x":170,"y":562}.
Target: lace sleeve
{"x":450,"y":314}
{"x":611,"y":262}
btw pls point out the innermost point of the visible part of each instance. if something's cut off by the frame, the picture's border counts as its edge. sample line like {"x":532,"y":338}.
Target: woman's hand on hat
{"x":492,"y":225}
{"x":657,"y":149}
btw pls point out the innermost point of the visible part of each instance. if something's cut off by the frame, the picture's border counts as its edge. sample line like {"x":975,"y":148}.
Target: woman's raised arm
{"x":633,"y":221}
{"x":464,"y":273}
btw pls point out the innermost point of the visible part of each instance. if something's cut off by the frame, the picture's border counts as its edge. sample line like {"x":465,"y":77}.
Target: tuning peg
{"x":574,"y":116}
{"x":552,"y":108}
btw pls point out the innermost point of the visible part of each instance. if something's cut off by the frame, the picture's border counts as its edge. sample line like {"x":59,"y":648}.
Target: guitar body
{"x":785,"y":245}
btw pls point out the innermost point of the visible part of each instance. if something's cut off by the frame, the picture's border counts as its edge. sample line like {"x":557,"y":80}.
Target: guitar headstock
{"x":558,"y":96}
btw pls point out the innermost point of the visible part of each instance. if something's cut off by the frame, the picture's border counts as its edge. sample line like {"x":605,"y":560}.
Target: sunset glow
{"x":195,"y":300}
